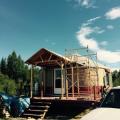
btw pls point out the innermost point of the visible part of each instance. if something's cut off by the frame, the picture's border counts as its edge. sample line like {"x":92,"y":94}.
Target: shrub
{"x":7,"y":85}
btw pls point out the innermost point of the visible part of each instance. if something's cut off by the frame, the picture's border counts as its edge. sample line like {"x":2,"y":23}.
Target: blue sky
{"x":28,"y":25}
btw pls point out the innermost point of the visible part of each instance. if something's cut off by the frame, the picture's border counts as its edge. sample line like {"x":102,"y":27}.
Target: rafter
{"x":50,"y":57}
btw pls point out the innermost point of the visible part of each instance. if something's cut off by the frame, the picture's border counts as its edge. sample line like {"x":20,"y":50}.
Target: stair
{"x":37,"y":109}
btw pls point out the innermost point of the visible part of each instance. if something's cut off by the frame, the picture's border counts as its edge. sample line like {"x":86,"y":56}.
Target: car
{"x":109,"y":108}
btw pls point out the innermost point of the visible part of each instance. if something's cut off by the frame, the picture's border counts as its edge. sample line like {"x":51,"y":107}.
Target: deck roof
{"x":45,"y":57}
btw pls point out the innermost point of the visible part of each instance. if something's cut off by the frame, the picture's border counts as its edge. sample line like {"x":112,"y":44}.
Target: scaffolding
{"x":81,"y":74}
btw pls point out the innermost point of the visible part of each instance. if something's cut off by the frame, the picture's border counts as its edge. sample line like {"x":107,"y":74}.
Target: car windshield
{"x":112,"y":100}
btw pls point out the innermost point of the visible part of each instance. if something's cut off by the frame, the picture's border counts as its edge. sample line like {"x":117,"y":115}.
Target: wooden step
{"x":32,"y":115}
{"x":34,"y":106}
{"x":37,"y":110}
{"x":38,"y":102}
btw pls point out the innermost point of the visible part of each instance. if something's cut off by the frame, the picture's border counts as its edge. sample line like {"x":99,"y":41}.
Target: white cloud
{"x":90,"y":21}
{"x":83,"y":36}
{"x":110,"y":27}
{"x":108,"y":56}
{"x":53,"y":43}
{"x":113,"y":69}
{"x":104,"y":43}
{"x":88,"y":3}
{"x":94,"y":19}
{"x":84,"y":40}
{"x":99,"y":30}
{"x":83,"y":3}
{"x":114,"y":13}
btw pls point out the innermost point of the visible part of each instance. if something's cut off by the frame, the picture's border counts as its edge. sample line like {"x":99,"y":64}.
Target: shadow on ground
{"x":67,"y":111}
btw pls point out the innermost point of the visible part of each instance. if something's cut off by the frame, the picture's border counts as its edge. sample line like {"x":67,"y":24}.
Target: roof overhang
{"x":46,"y":57}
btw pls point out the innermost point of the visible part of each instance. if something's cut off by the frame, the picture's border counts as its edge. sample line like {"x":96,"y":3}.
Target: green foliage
{"x":14,"y":69}
{"x":3,"y":66}
{"x":7,"y":85}
{"x":116,"y":78}
{"x":14,"y":66}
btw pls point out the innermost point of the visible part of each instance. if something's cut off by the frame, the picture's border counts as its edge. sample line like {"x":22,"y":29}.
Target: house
{"x":72,"y":76}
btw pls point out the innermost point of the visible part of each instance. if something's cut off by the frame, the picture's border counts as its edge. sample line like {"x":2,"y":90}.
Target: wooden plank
{"x":42,"y":83}
{"x":31,"y":82}
{"x":34,"y":115}
{"x":62,"y":81}
{"x":34,"y":110}
{"x":78,"y":81}
{"x":66,"y":89}
{"x":72,"y":81}
{"x":44,"y":74}
{"x":52,"y":82}
{"x":41,"y":88}
{"x":50,"y":57}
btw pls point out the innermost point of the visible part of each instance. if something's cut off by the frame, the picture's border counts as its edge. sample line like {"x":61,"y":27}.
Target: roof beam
{"x":41,"y":58}
{"x":50,"y":57}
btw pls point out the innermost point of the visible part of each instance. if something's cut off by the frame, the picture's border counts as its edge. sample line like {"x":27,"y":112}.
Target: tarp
{"x":16,"y":105}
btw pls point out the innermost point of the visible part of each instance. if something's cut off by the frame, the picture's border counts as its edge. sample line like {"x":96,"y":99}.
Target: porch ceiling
{"x":45,"y":57}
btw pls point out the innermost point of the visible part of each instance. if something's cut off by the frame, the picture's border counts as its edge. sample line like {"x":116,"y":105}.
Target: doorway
{"x":57,"y":82}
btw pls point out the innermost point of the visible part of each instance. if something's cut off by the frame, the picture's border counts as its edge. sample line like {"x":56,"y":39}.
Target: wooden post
{"x":66,"y":89}
{"x":41,"y":88}
{"x":72,"y":82}
{"x":52,"y":87}
{"x":78,"y":84}
{"x":97,"y":76}
{"x":42,"y":82}
{"x":94,"y":92}
{"x":31,"y":82}
{"x":62,"y":81}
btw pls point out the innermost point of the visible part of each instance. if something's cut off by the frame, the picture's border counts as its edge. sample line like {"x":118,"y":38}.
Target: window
{"x":57,"y":78}
{"x":58,"y":83}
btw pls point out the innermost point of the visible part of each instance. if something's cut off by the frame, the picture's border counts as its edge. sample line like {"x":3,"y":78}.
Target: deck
{"x":65,"y":107}
{"x":82,"y":98}
{"x":78,"y":102}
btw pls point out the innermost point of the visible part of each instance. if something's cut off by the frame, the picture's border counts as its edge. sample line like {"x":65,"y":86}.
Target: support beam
{"x":62,"y":81}
{"x":50,"y":57}
{"x":31,"y":82}
{"x":41,"y":88}
{"x":42,"y":81}
{"x":97,"y":74}
{"x":66,"y":89}
{"x":78,"y":81}
{"x":72,"y":82}
{"x":41,"y":58}
{"x":44,"y":74}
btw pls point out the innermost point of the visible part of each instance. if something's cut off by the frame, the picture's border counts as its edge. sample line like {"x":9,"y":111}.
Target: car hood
{"x":103,"y":114}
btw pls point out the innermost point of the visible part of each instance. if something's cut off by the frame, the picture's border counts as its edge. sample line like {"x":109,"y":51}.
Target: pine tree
{"x":12,"y":65}
{"x":3,"y":66}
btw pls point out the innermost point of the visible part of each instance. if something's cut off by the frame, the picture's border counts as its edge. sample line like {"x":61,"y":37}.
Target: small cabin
{"x":69,"y":77}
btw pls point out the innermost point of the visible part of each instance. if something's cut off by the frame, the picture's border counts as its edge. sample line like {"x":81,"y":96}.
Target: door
{"x":57,"y":82}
